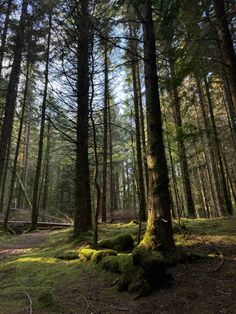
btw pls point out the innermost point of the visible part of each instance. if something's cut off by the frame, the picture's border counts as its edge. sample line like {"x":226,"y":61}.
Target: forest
{"x":117,"y":156}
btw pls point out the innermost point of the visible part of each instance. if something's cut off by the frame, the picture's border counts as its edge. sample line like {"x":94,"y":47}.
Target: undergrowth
{"x":44,"y":272}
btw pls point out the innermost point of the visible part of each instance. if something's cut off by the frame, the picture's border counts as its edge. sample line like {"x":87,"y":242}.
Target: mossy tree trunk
{"x":159,"y":226}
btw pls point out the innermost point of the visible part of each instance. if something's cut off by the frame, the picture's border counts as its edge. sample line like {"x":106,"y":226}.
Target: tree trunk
{"x":83,"y":211}
{"x":219,"y":198}
{"x":4,"y":34}
{"x":14,"y":168}
{"x":227,"y":201}
{"x":140,"y":176}
{"x":10,"y":104}
{"x":181,"y":146}
{"x":35,"y":200}
{"x":105,"y":136}
{"x":227,"y":47}
{"x":111,"y":174}
{"x":142,"y":127}
{"x":159,"y":226}
{"x":47,"y":167}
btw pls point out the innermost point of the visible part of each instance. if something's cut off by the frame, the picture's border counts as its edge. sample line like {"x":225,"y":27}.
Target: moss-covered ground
{"x":58,"y":281}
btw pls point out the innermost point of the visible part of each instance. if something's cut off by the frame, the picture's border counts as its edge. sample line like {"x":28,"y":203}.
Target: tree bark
{"x":4,"y":34}
{"x":14,"y":168}
{"x":226,"y":44}
{"x":47,"y":169}
{"x":159,"y":226}
{"x":105,"y":136}
{"x":227,"y":201}
{"x":10,"y":104}
{"x":35,"y":200}
{"x":181,"y":146}
{"x":140,"y":174}
{"x":83,"y":211}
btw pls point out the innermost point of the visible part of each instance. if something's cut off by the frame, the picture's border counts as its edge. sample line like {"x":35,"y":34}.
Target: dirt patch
{"x":23,"y":244}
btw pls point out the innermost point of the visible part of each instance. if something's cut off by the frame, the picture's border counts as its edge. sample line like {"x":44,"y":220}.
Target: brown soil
{"x":23,"y":244}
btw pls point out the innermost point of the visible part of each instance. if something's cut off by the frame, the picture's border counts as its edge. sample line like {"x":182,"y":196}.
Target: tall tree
{"x":35,"y":201}
{"x":159,"y":225}
{"x":140,"y":179}
{"x":82,"y":215}
{"x":226,"y":44}
{"x":10,"y":103}
{"x":4,"y":33}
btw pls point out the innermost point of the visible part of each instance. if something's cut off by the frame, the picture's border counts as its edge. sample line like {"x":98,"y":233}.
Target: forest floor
{"x":33,"y":270}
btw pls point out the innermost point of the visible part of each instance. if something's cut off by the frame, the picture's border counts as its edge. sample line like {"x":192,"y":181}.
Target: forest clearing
{"x":117,"y":156}
{"x":46,"y":266}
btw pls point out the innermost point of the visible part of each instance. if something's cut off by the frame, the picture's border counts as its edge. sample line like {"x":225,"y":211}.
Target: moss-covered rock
{"x":121,"y":243}
{"x":97,"y":256}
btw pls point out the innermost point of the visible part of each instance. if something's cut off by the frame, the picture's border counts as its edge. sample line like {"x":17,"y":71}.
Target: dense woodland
{"x":114,"y":111}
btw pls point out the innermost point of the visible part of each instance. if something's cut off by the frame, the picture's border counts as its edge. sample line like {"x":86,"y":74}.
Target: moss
{"x":67,"y":256}
{"x":99,"y":255}
{"x":152,"y":264}
{"x":117,"y":264}
{"x":121,"y":243}
{"x":140,"y":254}
{"x":148,"y":241}
{"x":86,"y":253}
{"x":46,"y":300}
{"x":110,"y":263}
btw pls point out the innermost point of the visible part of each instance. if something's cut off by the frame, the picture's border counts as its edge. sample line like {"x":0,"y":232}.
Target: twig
{"x":221,"y":263}
{"x":87,"y":302}
{"x":29,"y":298}
{"x":120,"y":309}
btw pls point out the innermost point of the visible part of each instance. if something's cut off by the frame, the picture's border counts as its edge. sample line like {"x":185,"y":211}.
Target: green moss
{"x":148,"y":241}
{"x":140,"y":254}
{"x":121,"y":243}
{"x":46,"y":300}
{"x":117,"y":264}
{"x":67,"y":256}
{"x":86,"y":253}
{"x":99,"y":255}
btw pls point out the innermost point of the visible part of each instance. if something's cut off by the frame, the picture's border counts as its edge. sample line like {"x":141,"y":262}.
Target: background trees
{"x":156,"y":103}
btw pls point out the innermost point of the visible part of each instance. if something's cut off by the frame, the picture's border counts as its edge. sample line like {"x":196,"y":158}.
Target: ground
{"x":32,"y":269}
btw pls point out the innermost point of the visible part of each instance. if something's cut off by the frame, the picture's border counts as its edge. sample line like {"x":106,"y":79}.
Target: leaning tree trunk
{"x":10,"y":104}
{"x":35,"y":201}
{"x":226,"y":44}
{"x":159,"y":225}
{"x":83,"y":211}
